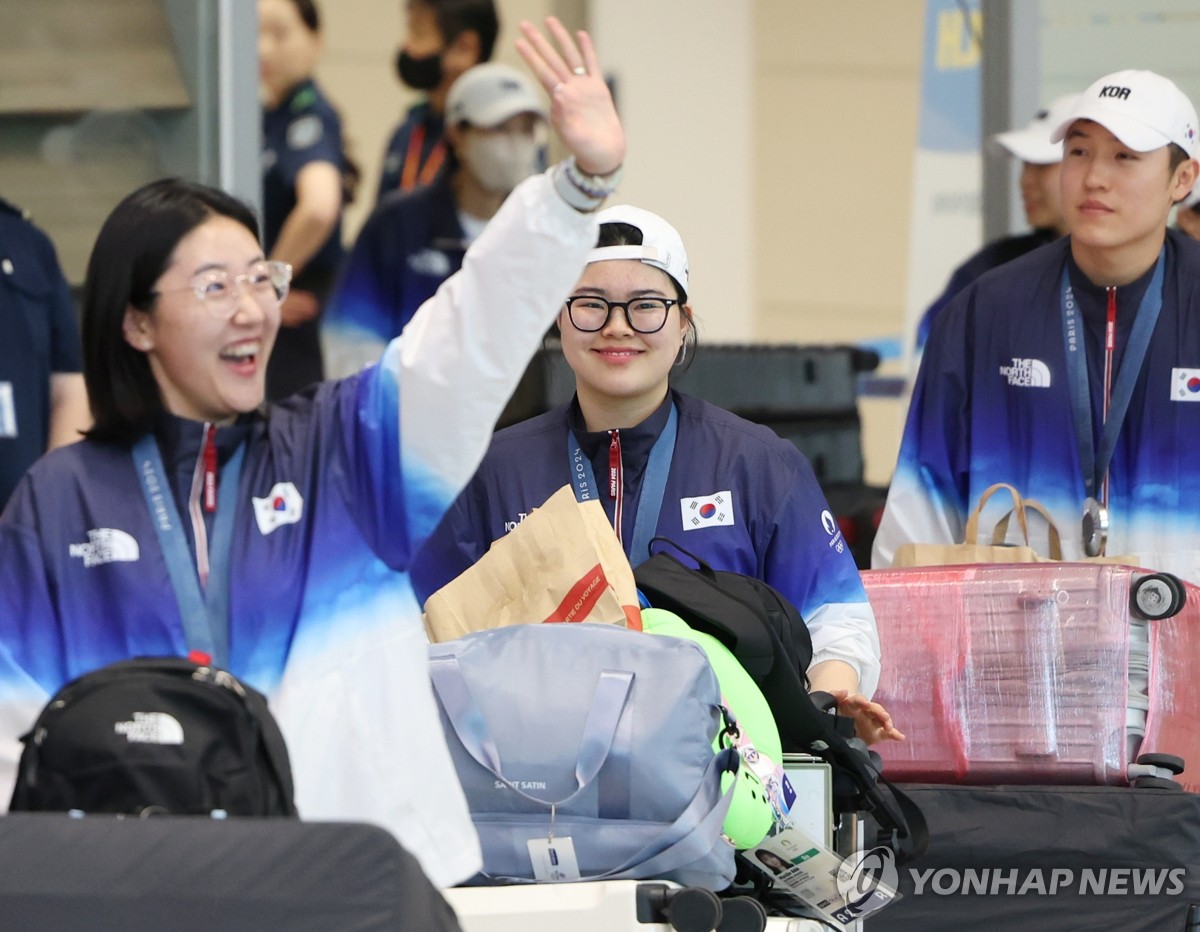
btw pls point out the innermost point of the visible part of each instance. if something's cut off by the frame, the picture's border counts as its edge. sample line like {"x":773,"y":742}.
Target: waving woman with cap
{"x":729,"y":491}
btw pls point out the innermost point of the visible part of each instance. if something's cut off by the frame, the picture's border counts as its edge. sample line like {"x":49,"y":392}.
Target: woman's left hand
{"x":871,"y":720}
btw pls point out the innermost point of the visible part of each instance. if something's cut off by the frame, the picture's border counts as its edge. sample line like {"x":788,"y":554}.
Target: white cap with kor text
{"x":662,"y":246}
{"x":1142,"y":109}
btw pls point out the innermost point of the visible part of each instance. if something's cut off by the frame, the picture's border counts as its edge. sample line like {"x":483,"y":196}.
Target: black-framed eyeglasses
{"x":218,"y":291}
{"x":590,"y":313}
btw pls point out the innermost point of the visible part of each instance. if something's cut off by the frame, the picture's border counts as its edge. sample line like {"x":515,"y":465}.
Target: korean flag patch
{"x":282,"y":505}
{"x":1185,"y":384}
{"x":715,"y":510}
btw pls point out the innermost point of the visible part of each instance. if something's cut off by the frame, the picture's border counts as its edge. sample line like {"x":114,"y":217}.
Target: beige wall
{"x":778,"y":135}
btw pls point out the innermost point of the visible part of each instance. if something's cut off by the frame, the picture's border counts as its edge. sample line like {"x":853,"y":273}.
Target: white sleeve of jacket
{"x":461,"y":356}
{"x":846,"y":631}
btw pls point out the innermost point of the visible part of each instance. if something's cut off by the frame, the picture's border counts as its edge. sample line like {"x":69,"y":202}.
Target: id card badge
{"x":843,"y":890}
{"x":553,"y":859}
{"x":8,"y":411}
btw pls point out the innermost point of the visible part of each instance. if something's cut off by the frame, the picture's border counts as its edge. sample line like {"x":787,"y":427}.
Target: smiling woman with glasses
{"x":666,"y":464}
{"x":276,"y":540}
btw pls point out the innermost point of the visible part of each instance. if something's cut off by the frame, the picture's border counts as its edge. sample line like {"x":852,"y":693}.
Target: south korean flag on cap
{"x":715,"y":510}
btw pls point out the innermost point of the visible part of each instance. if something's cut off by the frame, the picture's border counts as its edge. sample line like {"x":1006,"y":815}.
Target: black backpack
{"x":156,"y":735}
{"x":767,"y":635}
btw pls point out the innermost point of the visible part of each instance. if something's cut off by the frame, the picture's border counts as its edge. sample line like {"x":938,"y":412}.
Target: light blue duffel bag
{"x":593,"y":733}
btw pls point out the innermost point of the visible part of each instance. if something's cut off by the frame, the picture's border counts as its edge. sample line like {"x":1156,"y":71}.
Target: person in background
{"x":413,"y":241}
{"x":1072,"y":372}
{"x":1187,"y":218}
{"x":278,"y":539}
{"x":442,"y":39}
{"x":1041,"y":161}
{"x":307,"y":178}
{"x":43,"y":402}
{"x":731,"y":492}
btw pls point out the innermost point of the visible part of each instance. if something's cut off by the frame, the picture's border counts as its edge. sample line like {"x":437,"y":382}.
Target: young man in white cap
{"x":666,"y":464}
{"x":413,"y":241}
{"x":1069,"y":372}
{"x":1040,"y":162}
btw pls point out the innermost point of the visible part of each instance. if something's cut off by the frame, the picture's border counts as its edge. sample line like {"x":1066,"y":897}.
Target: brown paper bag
{"x":562,"y":563}
{"x":971,"y":551}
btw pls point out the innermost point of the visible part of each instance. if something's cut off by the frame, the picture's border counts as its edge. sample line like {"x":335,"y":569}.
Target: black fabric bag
{"x":156,"y":735}
{"x":108,"y":873}
{"x":769,"y":638}
{"x":1068,"y":858}
{"x":750,"y":617}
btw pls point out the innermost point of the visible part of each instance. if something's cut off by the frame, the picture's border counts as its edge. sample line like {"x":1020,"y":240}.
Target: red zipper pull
{"x":210,"y":468}
{"x":614,"y":463}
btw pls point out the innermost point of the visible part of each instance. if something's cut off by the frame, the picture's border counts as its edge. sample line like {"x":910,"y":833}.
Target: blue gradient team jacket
{"x":737,"y":496}
{"x":992,"y":404}
{"x":339,"y":489}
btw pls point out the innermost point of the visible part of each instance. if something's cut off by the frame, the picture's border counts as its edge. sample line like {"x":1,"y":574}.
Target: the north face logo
{"x":1028,"y":373}
{"x":151,"y":728}
{"x":1115,"y":90}
{"x":106,"y":545}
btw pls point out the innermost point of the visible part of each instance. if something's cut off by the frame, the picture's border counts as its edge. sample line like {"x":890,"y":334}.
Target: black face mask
{"x":421,"y":74}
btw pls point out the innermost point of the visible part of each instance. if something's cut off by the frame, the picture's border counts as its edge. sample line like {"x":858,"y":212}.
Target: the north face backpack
{"x":156,"y":735}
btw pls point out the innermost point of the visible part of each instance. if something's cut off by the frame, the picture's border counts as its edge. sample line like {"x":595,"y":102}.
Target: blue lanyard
{"x":205,"y":614}
{"x":654,"y":485}
{"x":1096,"y":462}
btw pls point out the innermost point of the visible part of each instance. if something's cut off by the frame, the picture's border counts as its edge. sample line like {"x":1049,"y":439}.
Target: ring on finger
{"x":579,"y":69}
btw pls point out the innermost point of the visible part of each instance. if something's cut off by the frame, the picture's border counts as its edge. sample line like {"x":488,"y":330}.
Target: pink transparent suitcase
{"x":1037,"y":673}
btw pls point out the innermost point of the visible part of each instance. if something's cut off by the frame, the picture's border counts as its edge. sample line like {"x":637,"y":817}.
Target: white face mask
{"x":499,"y":161}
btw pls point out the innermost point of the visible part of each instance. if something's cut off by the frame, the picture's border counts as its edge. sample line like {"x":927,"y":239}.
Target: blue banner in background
{"x":950,"y":111}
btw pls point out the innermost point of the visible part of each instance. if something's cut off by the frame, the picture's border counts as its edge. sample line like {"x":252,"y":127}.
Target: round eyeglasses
{"x":590,"y":313}
{"x":219,"y":292}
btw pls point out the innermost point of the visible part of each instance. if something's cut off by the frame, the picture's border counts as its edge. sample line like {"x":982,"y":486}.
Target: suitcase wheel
{"x":690,"y":909}
{"x":1169,"y":762}
{"x":742,"y":914}
{"x":1156,"y":596}
{"x":1156,"y":783}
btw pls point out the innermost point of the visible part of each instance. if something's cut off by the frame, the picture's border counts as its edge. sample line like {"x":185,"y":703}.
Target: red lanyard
{"x":412,"y":173}
{"x":616,"y":478}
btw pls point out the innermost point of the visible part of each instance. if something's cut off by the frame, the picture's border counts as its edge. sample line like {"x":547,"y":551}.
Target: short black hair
{"x":455,"y":17}
{"x":309,"y":14}
{"x":132,"y":250}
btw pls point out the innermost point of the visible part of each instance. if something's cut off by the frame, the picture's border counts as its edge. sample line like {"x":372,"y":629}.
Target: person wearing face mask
{"x":443,"y":38}
{"x":412,"y":242}
{"x":729,"y":491}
